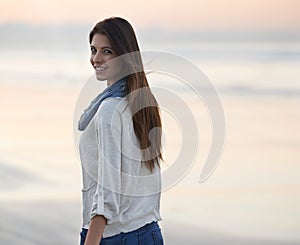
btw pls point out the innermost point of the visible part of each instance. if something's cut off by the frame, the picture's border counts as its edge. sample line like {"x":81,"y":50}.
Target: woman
{"x":120,"y":157}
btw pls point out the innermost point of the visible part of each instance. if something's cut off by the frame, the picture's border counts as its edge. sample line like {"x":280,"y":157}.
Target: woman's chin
{"x":101,"y":78}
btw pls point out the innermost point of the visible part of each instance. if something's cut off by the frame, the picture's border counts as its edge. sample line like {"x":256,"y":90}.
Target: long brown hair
{"x":123,"y":40}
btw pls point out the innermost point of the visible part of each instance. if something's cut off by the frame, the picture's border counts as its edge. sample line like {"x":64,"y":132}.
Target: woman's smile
{"x":100,"y":68}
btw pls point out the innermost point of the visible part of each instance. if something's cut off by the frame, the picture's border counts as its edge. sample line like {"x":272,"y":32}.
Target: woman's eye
{"x":107,"y":51}
{"x":93,"y":50}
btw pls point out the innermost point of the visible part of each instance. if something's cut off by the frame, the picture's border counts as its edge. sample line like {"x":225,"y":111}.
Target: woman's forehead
{"x":100,"y":40}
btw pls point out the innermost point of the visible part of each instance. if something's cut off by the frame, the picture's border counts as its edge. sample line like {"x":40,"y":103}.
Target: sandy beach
{"x":57,"y":223}
{"x":251,"y":198}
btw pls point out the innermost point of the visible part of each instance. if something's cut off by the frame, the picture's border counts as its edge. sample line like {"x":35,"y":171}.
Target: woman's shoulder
{"x":111,"y":107}
{"x":113,"y":103}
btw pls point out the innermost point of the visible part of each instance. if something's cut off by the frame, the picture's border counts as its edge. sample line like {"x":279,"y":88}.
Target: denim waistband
{"x":143,"y":228}
{"x":139,"y":230}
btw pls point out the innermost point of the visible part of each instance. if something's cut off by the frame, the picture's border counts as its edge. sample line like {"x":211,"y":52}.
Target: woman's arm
{"x":95,"y":231}
{"x":106,"y":200}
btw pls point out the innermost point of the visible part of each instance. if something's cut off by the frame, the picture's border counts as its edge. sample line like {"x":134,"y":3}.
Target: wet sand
{"x":57,"y":223}
{"x":251,"y":198}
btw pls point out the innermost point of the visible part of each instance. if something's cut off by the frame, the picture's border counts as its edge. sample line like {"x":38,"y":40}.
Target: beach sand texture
{"x":251,"y":198}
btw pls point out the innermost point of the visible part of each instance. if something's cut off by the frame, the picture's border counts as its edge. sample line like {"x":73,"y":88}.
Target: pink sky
{"x":189,"y":14}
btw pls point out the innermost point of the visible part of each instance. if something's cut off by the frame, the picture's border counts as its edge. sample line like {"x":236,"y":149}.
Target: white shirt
{"x":115,"y":182}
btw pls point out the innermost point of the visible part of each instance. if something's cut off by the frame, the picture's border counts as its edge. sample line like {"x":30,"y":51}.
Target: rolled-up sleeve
{"x":106,"y":200}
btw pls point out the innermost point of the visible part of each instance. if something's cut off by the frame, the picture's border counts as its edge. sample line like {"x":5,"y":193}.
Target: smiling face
{"x":103,"y":59}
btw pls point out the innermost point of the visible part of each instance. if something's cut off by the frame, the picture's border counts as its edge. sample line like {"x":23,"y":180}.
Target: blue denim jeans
{"x":150,"y":234}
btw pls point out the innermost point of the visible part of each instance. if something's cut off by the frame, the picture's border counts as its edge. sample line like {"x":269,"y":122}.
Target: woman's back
{"x":115,"y":182}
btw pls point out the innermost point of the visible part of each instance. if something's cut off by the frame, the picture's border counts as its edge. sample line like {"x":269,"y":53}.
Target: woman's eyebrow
{"x":106,"y":47}
{"x":92,"y":46}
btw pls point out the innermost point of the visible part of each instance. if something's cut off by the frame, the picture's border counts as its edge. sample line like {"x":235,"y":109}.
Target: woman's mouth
{"x":100,"y":68}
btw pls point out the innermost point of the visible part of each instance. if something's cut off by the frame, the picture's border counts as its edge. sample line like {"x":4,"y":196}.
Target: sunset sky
{"x":212,"y":15}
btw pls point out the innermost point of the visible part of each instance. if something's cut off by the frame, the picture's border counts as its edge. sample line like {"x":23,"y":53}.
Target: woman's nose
{"x":98,"y":58}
